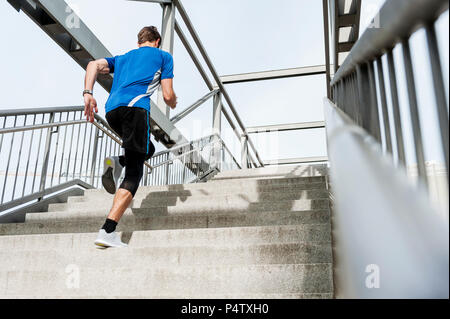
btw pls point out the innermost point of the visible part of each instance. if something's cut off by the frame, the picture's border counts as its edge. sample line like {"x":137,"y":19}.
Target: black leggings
{"x":134,"y":167}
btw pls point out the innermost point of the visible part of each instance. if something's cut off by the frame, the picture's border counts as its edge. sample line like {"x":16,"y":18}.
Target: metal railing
{"x":381,"y":221}
{"x":47,"y":150}
{"x":355,"y":85}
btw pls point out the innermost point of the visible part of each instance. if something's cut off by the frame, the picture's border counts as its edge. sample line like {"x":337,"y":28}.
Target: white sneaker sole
{"x":105,"y":244}
{"x":108,"y":176}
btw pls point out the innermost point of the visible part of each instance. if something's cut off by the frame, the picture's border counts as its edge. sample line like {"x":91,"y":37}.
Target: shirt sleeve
{"x":167,"y":67}
{"x":111,"y":64}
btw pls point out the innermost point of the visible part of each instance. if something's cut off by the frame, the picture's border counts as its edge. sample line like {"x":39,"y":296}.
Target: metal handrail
{"x":355,"y":86}
{"x":62,"y":131}
{"x":394,"y":229}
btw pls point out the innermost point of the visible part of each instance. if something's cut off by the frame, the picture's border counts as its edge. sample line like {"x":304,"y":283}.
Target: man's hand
{"x":169,"y":95}
{"x":90,"y":106}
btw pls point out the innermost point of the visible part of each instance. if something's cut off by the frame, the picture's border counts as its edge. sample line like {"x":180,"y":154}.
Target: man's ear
{"x":158,"y":43}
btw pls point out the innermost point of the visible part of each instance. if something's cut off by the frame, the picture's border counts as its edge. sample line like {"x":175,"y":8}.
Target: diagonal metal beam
{"x":275,"y":74}
{"x":299,"y":160}
{"x":191,"y":108}
{"x":285,"y":127}
{"x":214,"y":73}
{"x":154,"y":1}
{"x":66,"y":28}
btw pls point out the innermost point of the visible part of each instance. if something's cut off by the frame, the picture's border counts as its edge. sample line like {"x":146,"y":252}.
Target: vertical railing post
{"x":166,"y":175}
{"x":167,"y":37}
{"x":414,"y":112}
{"x":439,"y":90}
{"x":48,"y":142}
{"x":384,"y":107}
{"x":396,"y":109}
{"x":94,"y":155}
{"x":216,"y":129}
{"x":244,"y":151}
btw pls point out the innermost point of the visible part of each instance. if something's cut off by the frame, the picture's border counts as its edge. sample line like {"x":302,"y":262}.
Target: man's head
{"x":149,"y":36}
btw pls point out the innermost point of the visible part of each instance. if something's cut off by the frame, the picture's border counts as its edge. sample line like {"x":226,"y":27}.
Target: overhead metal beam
{"x":191,"y":108}
{"x":276,"y":74}
{"x":298,"y":160}
{"x":326,"y":36}
{"x":67,"y":29}
{"x":344,"y":14}
{"x":154,"y":1}
{"x":285,"y":127}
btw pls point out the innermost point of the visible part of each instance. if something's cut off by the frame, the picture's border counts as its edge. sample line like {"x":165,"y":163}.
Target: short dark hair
{"x":148,"y":34}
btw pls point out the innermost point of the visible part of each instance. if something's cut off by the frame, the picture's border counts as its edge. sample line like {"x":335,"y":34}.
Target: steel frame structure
{"x":82,"y":45}
{"x":341,"y":31}
{"x":355,"y":117}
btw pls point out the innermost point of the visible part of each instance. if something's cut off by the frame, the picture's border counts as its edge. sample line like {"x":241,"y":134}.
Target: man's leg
{"x":134,"y":165}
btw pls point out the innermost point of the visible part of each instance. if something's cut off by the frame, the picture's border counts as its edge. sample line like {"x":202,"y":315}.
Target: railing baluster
{"x":28,"y":157}
{"x":374,"y":113}
{"x":94,"y":155}
{"x":396,"y":109}
{"x":439,"y":90}
{"x":37,"y":155}
{"x":70,"y":149}
{"x":9,"y":159}
{"x":48,"y":141}
{"x":82,"y":150}
{"x":414,"y":112}
{"x":63,"y":150}
{"x":18,"y":160}
{"x":56,"y":151}
{"x":76,"y":147}
{"x":382,"y":87}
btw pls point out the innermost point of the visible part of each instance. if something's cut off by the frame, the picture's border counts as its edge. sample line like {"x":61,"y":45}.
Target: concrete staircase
{"x":259,"y":233}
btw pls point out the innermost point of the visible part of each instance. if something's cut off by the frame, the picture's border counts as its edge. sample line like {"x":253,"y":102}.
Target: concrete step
{"x":274,"y":172}
{"x":85,"y":223}
{"x":167,"y":281}
{"x":197,"y":296}
{"x":223,"y":206}
{"x":239,"y":184}
{"x":142,"y":258}
{"x":169,"y":238}
{"x":138,"y":214}
{"x":166,"y":198}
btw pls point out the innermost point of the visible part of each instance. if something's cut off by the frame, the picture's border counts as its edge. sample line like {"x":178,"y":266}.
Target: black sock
{"x":110,"y":225}
{"x":122,"y":160}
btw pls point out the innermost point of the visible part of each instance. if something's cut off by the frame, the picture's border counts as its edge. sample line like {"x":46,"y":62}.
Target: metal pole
{"x":244,"y":151}
{"x":48,"y":142}
{"x":414,"y":111}
{"x":387,"y":126}
{"x":167,"y":37}
{"x":439,"y":90}
{"x":327,"y":45}
{"x":94,"y":155}
{"x":217,"y":128}
{"x":396,"y":109}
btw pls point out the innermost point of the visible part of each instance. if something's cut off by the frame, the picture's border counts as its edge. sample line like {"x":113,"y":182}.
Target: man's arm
{"x":94,"y":68}
{"x":169,"y":95}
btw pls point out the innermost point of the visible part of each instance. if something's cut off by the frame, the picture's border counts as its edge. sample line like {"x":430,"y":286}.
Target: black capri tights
{"x":134,"y":167}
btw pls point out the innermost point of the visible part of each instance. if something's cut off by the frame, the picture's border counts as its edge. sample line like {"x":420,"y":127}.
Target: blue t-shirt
{"x":137,"y":74}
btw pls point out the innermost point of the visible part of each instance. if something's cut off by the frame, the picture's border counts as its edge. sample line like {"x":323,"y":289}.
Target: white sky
{"x":239,"y":36}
